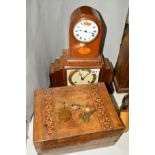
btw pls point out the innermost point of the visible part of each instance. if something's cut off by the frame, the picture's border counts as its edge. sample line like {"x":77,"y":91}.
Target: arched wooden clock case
{"x":83,"y":62}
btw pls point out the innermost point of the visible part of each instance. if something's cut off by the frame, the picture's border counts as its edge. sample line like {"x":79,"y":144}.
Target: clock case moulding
{"x":72,"y":59}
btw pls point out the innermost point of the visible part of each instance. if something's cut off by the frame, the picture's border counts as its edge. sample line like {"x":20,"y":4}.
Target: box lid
{"x":52,"y":130}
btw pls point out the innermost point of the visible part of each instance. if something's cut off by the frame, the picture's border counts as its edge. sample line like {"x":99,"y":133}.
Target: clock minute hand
{"x":85,"y":76}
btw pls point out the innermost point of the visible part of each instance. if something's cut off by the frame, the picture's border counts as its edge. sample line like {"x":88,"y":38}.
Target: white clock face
{"x":85,"y":30}
{"x":82,"y":76}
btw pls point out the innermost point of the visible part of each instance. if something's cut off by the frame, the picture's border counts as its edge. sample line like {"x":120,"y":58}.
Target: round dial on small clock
{"x":85,"y":30}
{"x":82,"y":76}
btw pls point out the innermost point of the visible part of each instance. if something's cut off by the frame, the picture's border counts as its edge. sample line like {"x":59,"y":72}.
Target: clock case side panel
{"x":121,"y":71}
{"x":106,"y":75}
{"x":56,"y":74}
{"x":95,"y":44}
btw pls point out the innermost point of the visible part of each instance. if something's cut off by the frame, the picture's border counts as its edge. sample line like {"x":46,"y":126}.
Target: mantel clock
{"x":83,"y":62}
{"x":85,"y":33}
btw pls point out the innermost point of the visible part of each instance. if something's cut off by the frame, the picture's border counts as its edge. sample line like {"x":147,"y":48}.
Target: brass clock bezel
{"x":76,"y":70}
{"x":85,"y":42}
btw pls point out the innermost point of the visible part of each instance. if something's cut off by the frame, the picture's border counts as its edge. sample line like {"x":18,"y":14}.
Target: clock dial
{"x":82,"y":76}
{"x":85,"y":30}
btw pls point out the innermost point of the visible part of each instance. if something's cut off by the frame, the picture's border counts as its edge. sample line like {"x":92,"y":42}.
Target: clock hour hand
{"x":86,"y":31}
{"x":80,"y":75}
{"x":90,"y":32}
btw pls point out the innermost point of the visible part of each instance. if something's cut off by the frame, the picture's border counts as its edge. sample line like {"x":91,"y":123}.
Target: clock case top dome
{"x":95,"y":46}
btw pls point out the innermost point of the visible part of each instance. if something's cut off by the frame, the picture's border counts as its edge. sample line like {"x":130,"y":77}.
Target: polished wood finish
{"x":51,"y":133}
{"x":59,"y":79}
{"x":121,"y":71}
{"x":85,"y":12}
{"x":72,"y":59}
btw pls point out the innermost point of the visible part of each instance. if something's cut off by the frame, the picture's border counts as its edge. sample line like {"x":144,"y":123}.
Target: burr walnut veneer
{"x":50,"y":132}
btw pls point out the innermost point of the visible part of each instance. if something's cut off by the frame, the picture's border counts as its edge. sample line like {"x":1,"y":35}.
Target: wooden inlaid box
{"x":91,"y":118}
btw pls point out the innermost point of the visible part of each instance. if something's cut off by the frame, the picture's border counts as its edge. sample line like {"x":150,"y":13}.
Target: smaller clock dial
{"x":85,"y":30}
{"x":82,"y":76}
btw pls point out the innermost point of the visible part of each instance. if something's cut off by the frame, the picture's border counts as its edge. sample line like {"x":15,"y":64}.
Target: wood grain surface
{"x":51,"y":132}
{"x":121,"y":72}
{"x":85,"y":12}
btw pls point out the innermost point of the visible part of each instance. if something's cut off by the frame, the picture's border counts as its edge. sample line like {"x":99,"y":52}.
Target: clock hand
{"x":86,"y":31}
{"x":85,"y":76}
{"x":82,"y":78}
{"x":80,"y":75}
{"x":90,"y":32}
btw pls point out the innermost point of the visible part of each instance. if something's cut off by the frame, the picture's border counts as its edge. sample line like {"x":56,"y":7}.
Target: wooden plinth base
{"x":118,"y":88}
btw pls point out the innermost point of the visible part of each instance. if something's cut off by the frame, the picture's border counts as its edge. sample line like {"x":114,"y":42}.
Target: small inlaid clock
{"x":86,"y":32}
{"x":83,"y":62}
